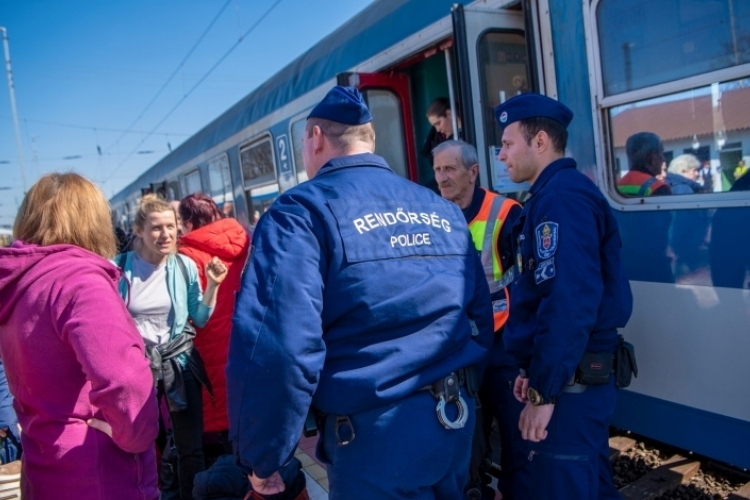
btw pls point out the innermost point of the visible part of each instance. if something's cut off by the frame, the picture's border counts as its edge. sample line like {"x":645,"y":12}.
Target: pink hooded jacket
{"x":72,"y":352}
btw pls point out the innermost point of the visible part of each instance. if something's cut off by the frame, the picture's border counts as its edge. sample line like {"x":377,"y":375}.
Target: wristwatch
{"x":536,"y":399}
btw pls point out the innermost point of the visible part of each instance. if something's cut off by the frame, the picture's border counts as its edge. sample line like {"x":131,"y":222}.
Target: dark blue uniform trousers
{"x":497,"y":394}
{"x":400,"y":451}
{"x":573,"y":462}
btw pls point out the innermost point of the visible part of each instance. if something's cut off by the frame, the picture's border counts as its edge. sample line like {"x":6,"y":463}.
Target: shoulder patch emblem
{"x":545,"y":271}
{"x":546,"y":239}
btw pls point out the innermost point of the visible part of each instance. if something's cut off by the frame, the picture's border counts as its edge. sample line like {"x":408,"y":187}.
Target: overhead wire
{"x":197,"y":84}
{"x":100,"y":129}
{"x":174,"y":73}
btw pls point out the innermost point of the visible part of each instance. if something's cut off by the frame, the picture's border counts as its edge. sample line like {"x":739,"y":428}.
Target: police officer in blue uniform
{"x":363,"y":296}
{"x":569,"y":298}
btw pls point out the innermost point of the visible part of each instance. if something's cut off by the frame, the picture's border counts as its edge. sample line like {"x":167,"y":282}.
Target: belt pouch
{"x":594,"y":368}
{"x":471,"y":379}
{"x":626,"y":365}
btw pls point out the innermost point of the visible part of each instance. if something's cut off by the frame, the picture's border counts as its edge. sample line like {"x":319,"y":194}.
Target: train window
{"x":257,"y":164}
{"x":220,"y":183}
{"x":503,"y":68}
{"x":298,"y":128}
{"x":173,"y":190}
{"x":193,"y":182}
{"x":702,"y":133}
{"x":669,"y":40}
{"x":259,"y":199}
{"x":389,"y":130}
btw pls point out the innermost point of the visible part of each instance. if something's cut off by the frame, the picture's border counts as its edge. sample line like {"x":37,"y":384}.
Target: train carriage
{"x":677,"y":68}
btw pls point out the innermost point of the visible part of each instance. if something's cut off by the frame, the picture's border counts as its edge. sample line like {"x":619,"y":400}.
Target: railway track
{"x":645,"y":470}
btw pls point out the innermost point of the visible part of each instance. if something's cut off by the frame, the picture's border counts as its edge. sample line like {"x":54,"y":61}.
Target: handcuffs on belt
{"x":446,"y":390}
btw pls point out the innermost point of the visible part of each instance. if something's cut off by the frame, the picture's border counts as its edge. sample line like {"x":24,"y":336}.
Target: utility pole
{"x":9,"y":71}
{"x":34,"y":155}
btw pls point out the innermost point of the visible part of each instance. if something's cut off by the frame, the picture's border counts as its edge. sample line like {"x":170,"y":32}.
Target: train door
{"x":388,"y":97}
{"x":493,"y":65}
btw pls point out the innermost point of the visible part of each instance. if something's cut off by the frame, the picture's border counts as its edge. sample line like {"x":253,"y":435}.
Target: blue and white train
{"x":678,"y":68}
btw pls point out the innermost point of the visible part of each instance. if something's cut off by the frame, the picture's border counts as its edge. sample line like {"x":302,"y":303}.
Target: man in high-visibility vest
{"x":645,"y":156}
{"x":490,"y":217}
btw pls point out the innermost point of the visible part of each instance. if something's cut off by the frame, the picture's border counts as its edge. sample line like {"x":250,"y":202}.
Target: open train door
{"x":493,"y":65}
{"x":387,"y":96}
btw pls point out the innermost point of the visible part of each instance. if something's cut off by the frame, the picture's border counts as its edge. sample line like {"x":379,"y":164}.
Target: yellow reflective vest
{"x":485,"y":235}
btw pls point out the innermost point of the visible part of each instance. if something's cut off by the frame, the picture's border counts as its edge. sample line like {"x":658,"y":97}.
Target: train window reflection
{"x":389,"y":130}
{"x":257,"y":163}
{"x":193,"y":183}
{"x":671,"y":40}
{"x":260,"y":199}
{"x":503,"y":68}
{"x":298,"y":128}
{"x":695,"y":142}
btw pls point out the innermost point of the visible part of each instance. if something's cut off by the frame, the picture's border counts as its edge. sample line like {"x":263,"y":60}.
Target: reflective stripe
{"x":485,"y":232}
{"x":489,"y":248}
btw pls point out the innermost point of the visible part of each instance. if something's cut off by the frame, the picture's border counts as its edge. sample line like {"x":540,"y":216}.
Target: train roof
{"x":378,"y":27}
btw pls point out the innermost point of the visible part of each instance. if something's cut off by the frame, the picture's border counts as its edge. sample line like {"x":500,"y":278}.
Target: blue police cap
{"x":532,"y":105}
{"x":343,"y":105}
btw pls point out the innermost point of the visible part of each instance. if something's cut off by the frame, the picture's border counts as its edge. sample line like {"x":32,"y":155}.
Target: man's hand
{"x":534,"y":421}
{"x":269,"y":486}
{"x":520,"y":387}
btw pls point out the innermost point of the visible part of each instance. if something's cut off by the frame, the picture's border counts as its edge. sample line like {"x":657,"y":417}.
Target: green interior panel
{"x":428,"y":82}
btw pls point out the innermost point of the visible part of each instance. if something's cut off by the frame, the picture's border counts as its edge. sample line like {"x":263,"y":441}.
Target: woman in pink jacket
{"x":75,"y":362}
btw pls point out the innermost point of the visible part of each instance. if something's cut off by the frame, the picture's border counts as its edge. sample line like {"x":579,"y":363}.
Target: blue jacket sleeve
{"x":276,"y":349}
{"x":7,"y":414}
{"x":479,"y":311}
{"x":570,"y":299}
{"x":480,"y":307}
{"x":197,"y":310}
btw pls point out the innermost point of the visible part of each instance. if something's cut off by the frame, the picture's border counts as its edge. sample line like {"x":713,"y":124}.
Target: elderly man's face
{"x":456,"y":181}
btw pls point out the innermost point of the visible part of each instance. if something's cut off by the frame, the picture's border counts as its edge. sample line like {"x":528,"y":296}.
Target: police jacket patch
{"x":545,"y":271}
{"x":397,"y":229}
{"x":546,"y":239}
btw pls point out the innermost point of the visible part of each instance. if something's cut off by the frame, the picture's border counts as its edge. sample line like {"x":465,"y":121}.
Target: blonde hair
{"x":150,"y":204}
{"x":341,"y":135}
{"x":66,"y":209}
{"x":683,"y":163}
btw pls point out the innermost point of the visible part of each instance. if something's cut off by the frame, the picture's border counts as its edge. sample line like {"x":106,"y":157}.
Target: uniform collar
{"x":550,"y":171}
{"x":358,"y":160}
{"x":476,"y":203}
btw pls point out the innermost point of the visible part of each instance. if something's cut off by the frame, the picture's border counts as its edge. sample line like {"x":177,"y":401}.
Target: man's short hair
{"x":466,"y":151}
{"x":639,"y":147}
{"x":341,"y":135}
{"x":557,"y":133}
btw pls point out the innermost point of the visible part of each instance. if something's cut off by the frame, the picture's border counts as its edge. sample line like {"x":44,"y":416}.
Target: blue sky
{"x":84,"y":71}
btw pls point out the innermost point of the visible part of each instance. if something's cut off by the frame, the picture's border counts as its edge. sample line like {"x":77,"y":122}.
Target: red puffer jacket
{"x":227,"y":240}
